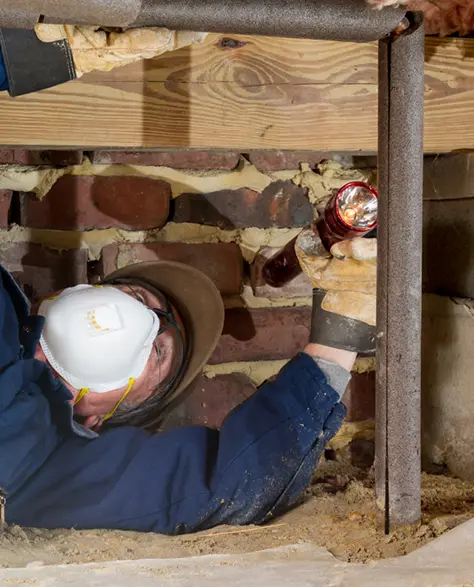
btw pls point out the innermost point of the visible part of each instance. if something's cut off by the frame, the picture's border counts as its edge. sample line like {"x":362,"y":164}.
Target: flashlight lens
{"x":357,"y":206}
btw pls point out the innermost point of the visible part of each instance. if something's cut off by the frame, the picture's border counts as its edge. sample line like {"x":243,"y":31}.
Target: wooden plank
{"x":297,"y":61}
{"x":256,"y":60}
{"x":266,"y":94}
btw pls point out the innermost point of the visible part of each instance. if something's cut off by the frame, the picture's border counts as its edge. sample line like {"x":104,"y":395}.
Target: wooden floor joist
{"x":239,"y":92}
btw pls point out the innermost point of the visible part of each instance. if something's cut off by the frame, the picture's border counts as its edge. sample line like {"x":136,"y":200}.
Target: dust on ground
{"x":338,"y":513}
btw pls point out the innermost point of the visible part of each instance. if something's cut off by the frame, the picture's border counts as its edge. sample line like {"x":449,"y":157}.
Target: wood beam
{"x":241,"y":92}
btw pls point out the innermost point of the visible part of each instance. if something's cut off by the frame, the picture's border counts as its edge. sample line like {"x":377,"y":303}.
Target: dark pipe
{"x":118,"y":13}
{"x":401,"y":61}
{"x":337,"y":20}
{"x":18,"y":19}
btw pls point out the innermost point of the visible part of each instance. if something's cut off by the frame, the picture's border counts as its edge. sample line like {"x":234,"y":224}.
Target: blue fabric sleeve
{"x":3,"y":75}
{"x":192,"y":478}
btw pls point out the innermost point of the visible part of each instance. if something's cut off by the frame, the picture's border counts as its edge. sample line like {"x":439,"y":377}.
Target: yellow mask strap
{"x":82,"y":393}
{"x":131,"y":381}
{"x":50,"y":299}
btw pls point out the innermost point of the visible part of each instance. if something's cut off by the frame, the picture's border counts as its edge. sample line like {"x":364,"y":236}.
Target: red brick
{"x":222,"y":262}
{"x":262,"y":334}
{"x":222,"y":208}
{"x":175,"y":160}
{"x":87,"y":202}
{"x":279,"y":160}
{"x":210,"y":401}
{"x":359,"y":398}
{"x":282,"y":204}
{"x":23,"y":157}
{"x":298,"y":287}
{"x":7,"y":156}
{"x":41,"y":271}
{"x":268,"y":161}
{"x":5,"y":201}
{"x":348,"y":161}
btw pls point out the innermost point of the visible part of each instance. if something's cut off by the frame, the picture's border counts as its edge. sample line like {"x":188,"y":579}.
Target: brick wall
{"x":223,"y":213}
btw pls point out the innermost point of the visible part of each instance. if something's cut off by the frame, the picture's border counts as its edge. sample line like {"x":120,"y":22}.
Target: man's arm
{"x":192,"y":478}
{"x":340,"y":357}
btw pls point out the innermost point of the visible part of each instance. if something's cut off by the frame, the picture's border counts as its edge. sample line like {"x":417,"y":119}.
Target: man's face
{"x":162,"y":364}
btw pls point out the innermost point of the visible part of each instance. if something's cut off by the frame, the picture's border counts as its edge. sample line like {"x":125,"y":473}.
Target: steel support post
{"x":400,"y":163}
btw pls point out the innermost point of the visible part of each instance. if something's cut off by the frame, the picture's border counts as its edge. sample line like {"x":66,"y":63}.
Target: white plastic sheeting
{"x":446,"y":562}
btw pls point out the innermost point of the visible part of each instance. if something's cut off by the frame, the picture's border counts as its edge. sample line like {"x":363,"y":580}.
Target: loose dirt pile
{"x":338,"y":513}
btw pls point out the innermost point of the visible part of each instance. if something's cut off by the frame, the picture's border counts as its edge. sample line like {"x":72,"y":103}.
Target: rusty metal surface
{"x":399,"y":276}
{"x":344,"y":20}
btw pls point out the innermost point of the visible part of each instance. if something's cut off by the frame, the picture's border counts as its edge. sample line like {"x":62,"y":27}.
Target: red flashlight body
{"x":283,"y":267}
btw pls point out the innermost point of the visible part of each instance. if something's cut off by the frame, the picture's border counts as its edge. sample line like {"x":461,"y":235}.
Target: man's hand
{"x":348,"y":274}
{"x":95,"y":49}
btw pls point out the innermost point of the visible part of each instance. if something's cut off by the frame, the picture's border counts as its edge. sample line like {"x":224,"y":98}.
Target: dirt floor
{"x":338,"y":513}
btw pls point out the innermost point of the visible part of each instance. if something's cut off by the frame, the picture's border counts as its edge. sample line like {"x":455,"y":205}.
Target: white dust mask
{"x":97,"y":338}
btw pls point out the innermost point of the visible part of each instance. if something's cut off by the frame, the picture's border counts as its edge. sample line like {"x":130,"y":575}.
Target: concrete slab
{"x":446,"y":562}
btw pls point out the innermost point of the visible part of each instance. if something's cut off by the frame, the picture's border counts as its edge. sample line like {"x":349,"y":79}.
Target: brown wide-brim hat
{"x":198,"y":302}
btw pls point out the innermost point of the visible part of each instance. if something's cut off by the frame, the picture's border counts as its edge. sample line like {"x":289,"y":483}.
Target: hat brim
{"x":198,"y":302}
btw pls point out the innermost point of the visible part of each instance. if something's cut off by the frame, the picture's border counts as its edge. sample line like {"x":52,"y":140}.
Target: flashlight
{"x":351,"y":212}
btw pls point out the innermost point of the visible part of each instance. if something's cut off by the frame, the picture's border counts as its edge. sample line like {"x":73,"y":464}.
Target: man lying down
{"x":86,"y":380}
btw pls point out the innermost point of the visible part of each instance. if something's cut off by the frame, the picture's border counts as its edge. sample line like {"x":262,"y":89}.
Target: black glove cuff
{"x":33,"y":65}
{"x":330,"y":329}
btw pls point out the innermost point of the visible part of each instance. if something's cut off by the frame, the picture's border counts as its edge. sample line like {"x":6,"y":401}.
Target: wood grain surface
{"x":240,"y":92}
